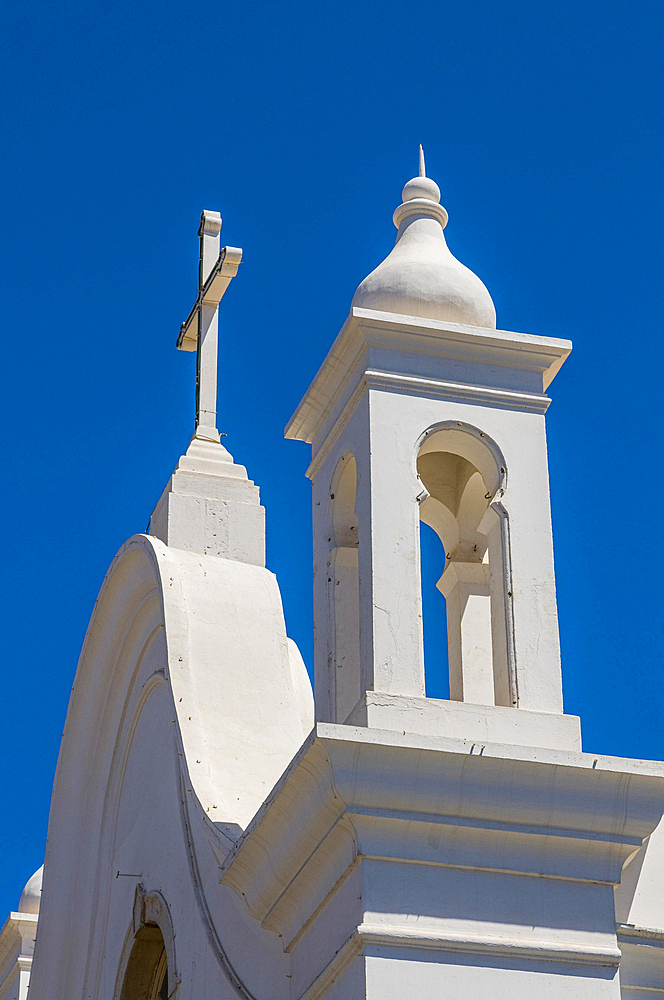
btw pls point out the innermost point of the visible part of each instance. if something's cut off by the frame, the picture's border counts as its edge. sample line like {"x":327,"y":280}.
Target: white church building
{"x":217,"y":834}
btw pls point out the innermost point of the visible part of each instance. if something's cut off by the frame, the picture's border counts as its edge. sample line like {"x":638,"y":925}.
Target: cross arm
{"x":210,"y":294}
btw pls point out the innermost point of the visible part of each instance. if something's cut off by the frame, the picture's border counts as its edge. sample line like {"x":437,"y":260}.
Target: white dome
{"x":420,"y":277}
{"x":31,"y":895}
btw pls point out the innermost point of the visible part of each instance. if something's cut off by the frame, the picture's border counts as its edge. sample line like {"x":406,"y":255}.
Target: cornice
{"x":345,"y":364}
{"x":496,"y":947}
{"x":649,"y":937}
{"x":464,"y":392}
{"x":354,"y":793}
{"x":17,"y":928}
{"x":333,"y":380}
{"x":433,"y":388}
{"x":476,"y":944}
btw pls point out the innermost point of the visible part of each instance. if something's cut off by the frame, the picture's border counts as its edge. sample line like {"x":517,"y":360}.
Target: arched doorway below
{"x":146,"y":976}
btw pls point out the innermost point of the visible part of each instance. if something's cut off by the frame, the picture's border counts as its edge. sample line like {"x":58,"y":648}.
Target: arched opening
{"x":462,"y":471}
{"x":434,"y":614}
{"x":344,"y":584}
{"x":146,"y":975}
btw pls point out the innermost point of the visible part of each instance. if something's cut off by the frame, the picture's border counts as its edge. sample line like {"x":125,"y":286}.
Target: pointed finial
{"x":419,"y":189}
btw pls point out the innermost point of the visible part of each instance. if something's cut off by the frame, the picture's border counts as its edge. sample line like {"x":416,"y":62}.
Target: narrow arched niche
{"x":146,"y":975}
{"x":434,"y":615}
{"x":344,"y":583}
{"x":462,"y":471}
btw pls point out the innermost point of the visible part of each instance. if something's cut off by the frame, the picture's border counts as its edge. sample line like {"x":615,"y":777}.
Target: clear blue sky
{"x":542,"y":124}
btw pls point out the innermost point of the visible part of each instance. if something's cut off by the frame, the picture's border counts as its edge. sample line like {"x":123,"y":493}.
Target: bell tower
{"x":424,"y":411}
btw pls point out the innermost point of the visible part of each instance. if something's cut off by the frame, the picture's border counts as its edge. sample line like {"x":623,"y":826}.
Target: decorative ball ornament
{"x":421,"y":187}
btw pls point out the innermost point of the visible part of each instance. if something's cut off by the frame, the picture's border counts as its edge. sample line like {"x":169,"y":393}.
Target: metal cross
{"x":200,"y":331}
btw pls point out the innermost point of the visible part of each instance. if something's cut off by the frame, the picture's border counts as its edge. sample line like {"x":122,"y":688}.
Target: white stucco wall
{"x":186,"y":708}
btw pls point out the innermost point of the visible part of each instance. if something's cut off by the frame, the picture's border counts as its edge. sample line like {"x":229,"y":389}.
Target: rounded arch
{"x":468,"y":442}
{"x":343,"y":494}
{"x":462,"y":470}
{"x":146,"y":972}
{"x":148,"y":968}
{"x":464,"y":475}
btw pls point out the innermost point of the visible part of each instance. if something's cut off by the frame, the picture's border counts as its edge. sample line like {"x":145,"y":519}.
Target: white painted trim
{"x":648,"y":937}
{"x":484,"y":395}
{"x":395,"y":937}
{"x":487,"y":945}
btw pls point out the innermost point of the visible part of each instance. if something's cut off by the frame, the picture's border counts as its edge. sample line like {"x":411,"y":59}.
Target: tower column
{"x":395,"y":663}
{"x":466,"y":587}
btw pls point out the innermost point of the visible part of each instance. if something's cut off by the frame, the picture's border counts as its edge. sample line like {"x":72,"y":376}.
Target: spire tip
{"x":423,"y":171}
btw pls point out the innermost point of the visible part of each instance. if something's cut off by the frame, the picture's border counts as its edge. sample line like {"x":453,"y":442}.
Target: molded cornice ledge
{"x":17,"y":941}
{"x":374,"y":838}
{"x":431,"y":358}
